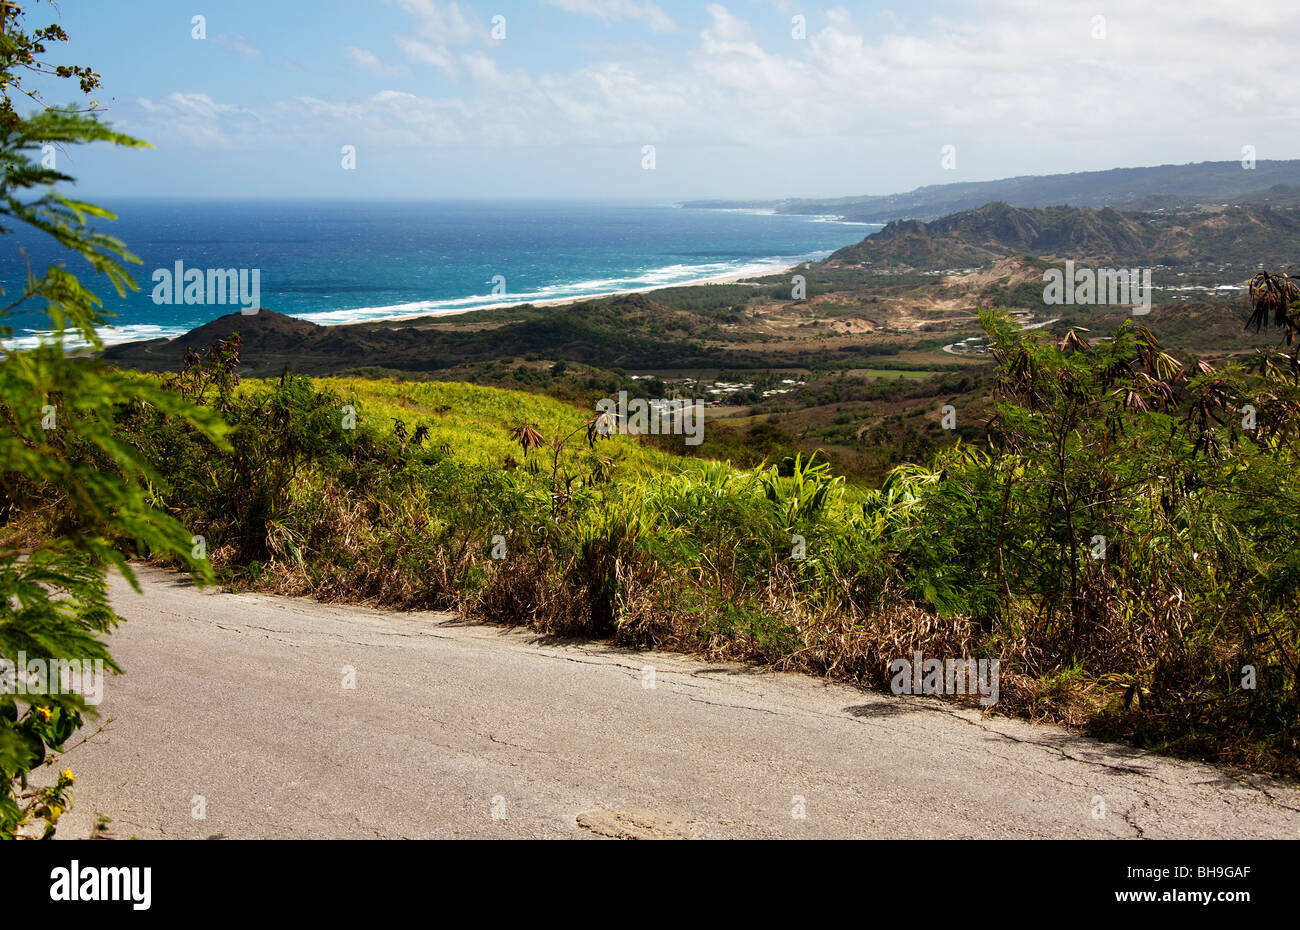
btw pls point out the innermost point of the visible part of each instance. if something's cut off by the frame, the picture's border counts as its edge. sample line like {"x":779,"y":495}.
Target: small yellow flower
{"x":43,"y":713}
{"x":67,"y":773}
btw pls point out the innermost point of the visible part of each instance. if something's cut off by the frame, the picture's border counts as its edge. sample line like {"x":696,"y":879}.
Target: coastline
{"x":395,"y":301}
{"x":733,"y":277}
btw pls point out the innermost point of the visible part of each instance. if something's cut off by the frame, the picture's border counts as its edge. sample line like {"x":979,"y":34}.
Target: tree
{"x":63,"y":466}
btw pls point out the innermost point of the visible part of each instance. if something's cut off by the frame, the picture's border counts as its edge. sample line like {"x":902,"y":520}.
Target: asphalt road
{"x":235,"y":707}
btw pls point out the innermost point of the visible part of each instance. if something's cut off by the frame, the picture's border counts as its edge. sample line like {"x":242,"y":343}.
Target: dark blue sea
{"x":345,"y":261}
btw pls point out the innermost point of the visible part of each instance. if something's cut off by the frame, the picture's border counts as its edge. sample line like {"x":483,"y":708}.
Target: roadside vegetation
{"x":1113,"y":521}
{"x":1122,"y":537}
{"x":66,"y":466}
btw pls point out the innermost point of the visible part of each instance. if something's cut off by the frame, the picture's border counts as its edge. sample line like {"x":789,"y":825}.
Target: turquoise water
{"x":342,"y":262}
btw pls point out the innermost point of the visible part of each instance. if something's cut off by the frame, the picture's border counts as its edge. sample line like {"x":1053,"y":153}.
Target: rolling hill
{"x":1238,"y":237}
{"x":1175,"y":187}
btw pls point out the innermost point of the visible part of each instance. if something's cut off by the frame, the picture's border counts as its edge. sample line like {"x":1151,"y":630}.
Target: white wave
{"x":818,"y":218}
{"x":752,"y":211}
{"x":676,"y":275}
{"x":811,"y":217}
{"x":109,"y":335}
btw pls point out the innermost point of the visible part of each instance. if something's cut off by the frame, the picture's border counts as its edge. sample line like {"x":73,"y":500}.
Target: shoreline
{"x":423,"y":316}
{"x":733,"y":277}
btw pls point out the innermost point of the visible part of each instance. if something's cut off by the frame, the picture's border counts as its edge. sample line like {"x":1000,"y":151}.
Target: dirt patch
{"x":635,"y":825}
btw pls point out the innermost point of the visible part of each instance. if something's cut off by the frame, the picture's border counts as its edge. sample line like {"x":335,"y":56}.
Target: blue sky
{"x":734,"y":103}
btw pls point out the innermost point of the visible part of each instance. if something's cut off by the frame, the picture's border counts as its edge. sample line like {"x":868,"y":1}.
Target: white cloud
{"x":1018,"y":75}
{"x":485,"y":71}
{"x":427,"y":54}
{"x":194,"y":119}
{"x":365,"y":58}
{"x":387,"y":118}
{"x":447,"y":23}
{"x":728,"y":33}
{"x":612,"y":11}
{"x":437,"y":28}
{"x":240,"y":45}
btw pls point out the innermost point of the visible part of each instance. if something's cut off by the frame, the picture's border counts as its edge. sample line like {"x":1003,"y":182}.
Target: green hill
{"x":1239,"y":236}
{"x":1162,"y":186}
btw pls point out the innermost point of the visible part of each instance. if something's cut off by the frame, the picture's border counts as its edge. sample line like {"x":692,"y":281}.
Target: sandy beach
{"x":731,"y":278}
{"x":108,"y":333}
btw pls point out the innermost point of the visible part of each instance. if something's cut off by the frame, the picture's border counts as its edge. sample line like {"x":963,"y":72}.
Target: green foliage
{"x":990,"y":548}
{"x":64,"y":455}
{"x":1122,"y":536}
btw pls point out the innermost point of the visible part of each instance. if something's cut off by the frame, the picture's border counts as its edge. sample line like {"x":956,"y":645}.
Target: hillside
{"x":612,"y":332}
{"x":693,"y":328}
{"x":892,"y":316}
{"x":872,"y":299}
{"x":1158,"y":187}
{"x":1237,"y":237}
{"x":506,"y":508}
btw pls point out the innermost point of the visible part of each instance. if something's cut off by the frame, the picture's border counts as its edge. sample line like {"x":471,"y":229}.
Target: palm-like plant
{"x":528,"y":437}
{"x":1273,"y":298}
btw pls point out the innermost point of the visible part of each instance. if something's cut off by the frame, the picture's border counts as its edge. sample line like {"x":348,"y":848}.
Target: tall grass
{"x":979,"y":553}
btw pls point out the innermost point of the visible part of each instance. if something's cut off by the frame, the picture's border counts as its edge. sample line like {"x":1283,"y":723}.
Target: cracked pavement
{"x":457,"y":730}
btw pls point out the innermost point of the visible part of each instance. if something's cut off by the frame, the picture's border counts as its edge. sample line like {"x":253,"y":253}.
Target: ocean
{"x":347,"y":261}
